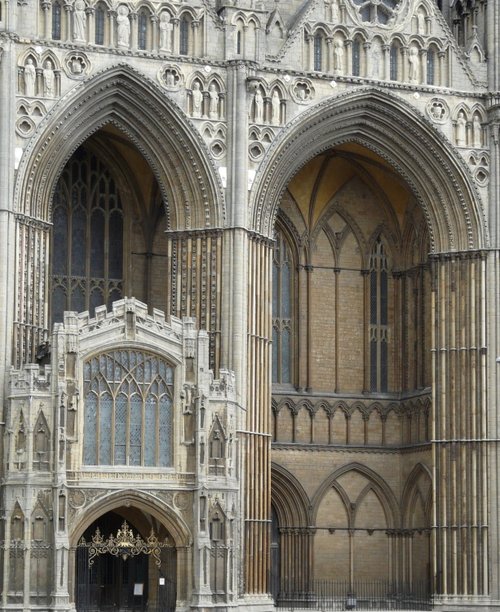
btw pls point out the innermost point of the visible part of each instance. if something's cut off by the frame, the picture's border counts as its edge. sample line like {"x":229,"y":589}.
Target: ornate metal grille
{"x":128,"y":409}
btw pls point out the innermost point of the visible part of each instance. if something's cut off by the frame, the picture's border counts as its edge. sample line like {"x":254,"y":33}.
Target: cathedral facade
{"x":249,"y":290}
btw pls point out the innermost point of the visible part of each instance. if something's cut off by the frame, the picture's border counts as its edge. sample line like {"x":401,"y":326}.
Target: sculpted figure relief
{"x":376,"y":54}
{"x":338,"y":56}
{"x":258,"y":106}
{"x":123,"y":26}
{"x":48,"y":79}
{"x":29,"y":78}
{"x":477,"y":132}
{"x":197,"y":97}
{"x":79,"y":21}
{"x":275,"y":108}
{"x":165,"y":32}
{"x":461,"y":129}
{"x":213,"y":108}
{"x":421,"y":26}
{"x":414,"y":64}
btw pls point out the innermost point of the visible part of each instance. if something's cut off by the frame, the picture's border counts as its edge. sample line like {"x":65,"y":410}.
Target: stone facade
{"x":301,"y":199}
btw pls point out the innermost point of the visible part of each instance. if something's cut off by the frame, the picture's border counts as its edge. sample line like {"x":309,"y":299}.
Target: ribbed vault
{"x":158,"y":128}
{"x":390,"y":127}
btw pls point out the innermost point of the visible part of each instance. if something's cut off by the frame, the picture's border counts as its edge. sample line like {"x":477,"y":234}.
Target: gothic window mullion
{"x":378,"y":331}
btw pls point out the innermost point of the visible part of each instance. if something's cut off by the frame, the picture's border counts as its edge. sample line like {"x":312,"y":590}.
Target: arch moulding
{"x":397,"y":132}
{"x":125,"y":98}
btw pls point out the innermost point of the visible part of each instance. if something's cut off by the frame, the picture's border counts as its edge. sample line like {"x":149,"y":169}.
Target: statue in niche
{"x":477,"y":132}
{"x":165,"y":32}
{"x":414,"y":64}
{"x":197,"y":97}
{"x":258,"y":106}
{"x":334,"y":10}
{"x":421,"y":25}
{"x":376,"y":54}
{"x":213,"y":104}
{"x":76,"y":66}
{"x":79,"y":21}
{"x":275,"y":108}
{"x":461,"y":130}
{"x":29,"y":78}
{"x":123,"y":26}
{"x":170,"y":79}
{"x":338,"y":56}
{"x":48,"y":79}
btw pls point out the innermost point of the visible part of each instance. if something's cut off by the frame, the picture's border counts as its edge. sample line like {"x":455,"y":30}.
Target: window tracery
{"x":282,"y":311}
{"x":128,"y":409}
{"x":378,"y":318}
{"x":87,"y":242}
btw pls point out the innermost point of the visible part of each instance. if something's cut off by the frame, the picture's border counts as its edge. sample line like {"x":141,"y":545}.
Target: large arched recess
{"x":157,"y":126}
{"x":398,"y":133}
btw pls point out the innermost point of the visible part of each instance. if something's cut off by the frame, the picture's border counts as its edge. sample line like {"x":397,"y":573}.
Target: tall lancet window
{"x":378,"y":318}
{"x":128,"y":409}
{"x":282,"y":311}
{"x":318,"y":52}
{"x":87,"y":239}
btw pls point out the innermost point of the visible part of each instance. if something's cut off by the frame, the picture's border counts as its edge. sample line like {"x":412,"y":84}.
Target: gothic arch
{"x":398,"y":133}
{"x":289,"y":498}
{"x":146,"y":502}
{"x":156,"y":125}
{"x":377,"y":483}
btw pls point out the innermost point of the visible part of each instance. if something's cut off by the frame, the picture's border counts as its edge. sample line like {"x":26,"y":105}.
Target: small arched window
{"x":282,"y":310}
{"x":394,"y":61}
{"x":184,"y":36}
{"x":128,"y":409}
{"x":142,"y":30}
{"x":318,"y":52}
{"x":99,"y":25}
{"x":356,"y":58}
{"x":378,"y":318}
{"x":431,"y":63}
{"x":238,"y":42}
{"x":56,"y":20}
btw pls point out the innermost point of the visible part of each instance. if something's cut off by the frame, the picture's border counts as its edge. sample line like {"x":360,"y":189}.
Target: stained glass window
{"x":56,"y":21}
{"x":128,"y":410}
{"x":87,"y":239}
{"x":282,"y":311}
{"x":393,"y":58}
{"x":99,"y":25}
{"x":378,"y":318}
{"x":184,"y":36}
{"x":430,"y":66}
{"x":318,"y":52}
{"x":142,"y":31}
{"x":356,"y":58}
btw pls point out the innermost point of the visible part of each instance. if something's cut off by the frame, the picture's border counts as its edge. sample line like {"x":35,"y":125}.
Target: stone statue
{"x":414,"y":64}
{"x":421,"y":25}
{"x":461,"y":130}
{"x":76,"y":65}
{"x":165,"y":31}
{"x":376,"y":54}
{"x":170,"y":79}
{"x":123,"y":26}
{"x":275,"y":108}
{"x":29,"y":78}
{"x":338,"y":56}
{"x":258,"y":106}
{"x":79,"y":21}
{"x":197,"y":96}
{"x":213,"y":107}
{"x":477,"y":132}
{"x":48,"y":79}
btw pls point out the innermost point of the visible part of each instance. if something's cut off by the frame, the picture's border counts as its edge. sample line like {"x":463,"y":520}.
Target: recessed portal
{"x":125,"y":561}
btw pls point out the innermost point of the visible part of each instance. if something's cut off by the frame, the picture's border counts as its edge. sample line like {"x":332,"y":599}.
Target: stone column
{"x":459,"y":431}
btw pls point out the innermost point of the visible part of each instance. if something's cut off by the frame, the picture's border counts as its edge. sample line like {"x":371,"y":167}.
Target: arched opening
{"x":125,"y":560}
{"x":108,"y":220}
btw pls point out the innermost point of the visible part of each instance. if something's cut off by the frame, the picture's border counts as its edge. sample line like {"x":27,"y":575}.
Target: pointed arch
{"x":398,"y":133}
{"x":157,"y":126}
